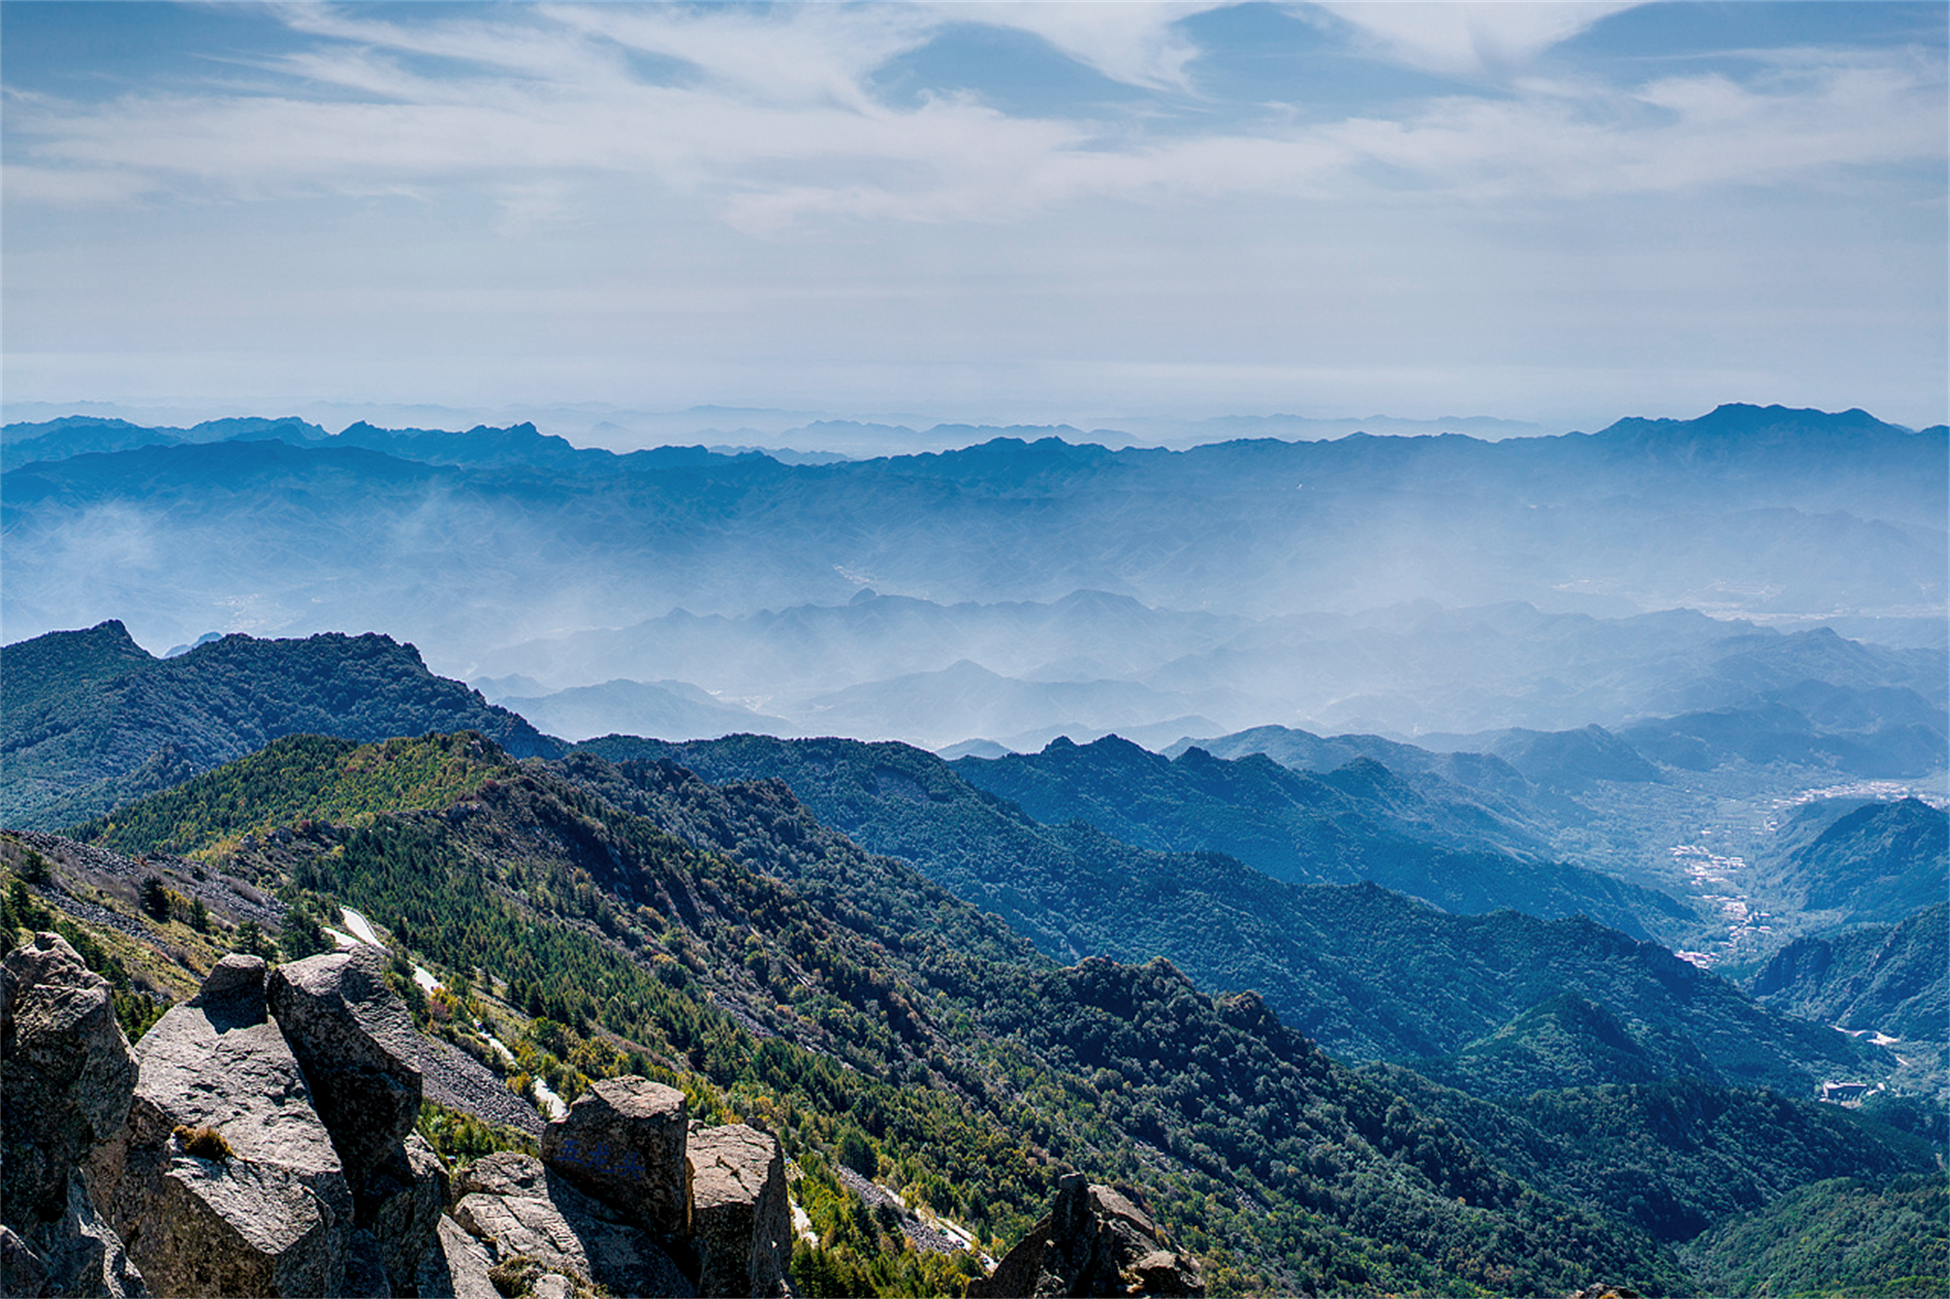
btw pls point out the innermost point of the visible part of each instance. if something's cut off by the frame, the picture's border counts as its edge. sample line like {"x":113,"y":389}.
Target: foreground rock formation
{"x":66,"y":1081}
{"x":1095,"y":1241}
{"x":624,"y":1142}
{"x":259,"y":1141}
{"x":741,"y":1224}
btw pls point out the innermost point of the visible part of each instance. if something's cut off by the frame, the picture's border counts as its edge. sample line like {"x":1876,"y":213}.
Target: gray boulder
{"x":66,"y":1074}
{"x":355,"y":1040}
{"x":455,"y":1266}
{"x":400,"y":1203}
{"x":236,"y":1228}
{"x":1095,"y":1241}
{"x":75,"y":1254}
{"x":741,"y":1224}
{"x":237,"y":975}
{"x":515,"y":1203}
{"x":66,"y":1081}
{"x":552,"y":1285}
{"x":623,"y":1142}
{"x":266,"y":1209}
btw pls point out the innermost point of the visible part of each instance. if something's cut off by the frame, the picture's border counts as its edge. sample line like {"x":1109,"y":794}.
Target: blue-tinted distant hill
{"x":92,"y":720}
{"x":475,"y":539}
{"x":74,"y":435}
{"x":1878,"y":862}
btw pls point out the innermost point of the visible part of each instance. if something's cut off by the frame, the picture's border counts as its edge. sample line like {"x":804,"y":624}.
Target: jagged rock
{"x":623,"y":1142}
{"x":22,"y":1271}
{"x":741,"y":1225}
{"x":65,"y":1088}
{"x":236,"y":975}
{"x":271,"y":1217}
{"x":67,"y":1075}
{"x":76,"y":1254}
{"x":356,"y":1042}
{"x":455,"y":1266}
{"x":400,"y":1202}
{"x":552,"y":1285}
{"x":526,"y":1211}
{"x":1094,"y":1242}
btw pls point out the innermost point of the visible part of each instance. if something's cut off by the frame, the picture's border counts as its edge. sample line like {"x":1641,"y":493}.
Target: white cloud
{"x":1469,"y":39}
{"x":773,"y":121}
{"x":1137,"y":44}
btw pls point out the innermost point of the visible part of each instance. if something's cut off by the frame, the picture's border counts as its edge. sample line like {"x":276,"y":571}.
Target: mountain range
{"x":489,"y":547}
{"x":1399,"y":864}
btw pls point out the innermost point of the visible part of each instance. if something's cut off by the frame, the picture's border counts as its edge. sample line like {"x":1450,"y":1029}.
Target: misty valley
{"x":1394,"y":864}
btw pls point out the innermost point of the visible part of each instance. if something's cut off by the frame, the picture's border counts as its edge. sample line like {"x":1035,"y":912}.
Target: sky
{"x":1559,"y":213}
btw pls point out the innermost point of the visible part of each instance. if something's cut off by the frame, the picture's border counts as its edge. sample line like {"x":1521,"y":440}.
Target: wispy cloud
{"x":1137,"y":44}
{"x":1492,"y":39}
{"x":775,"y":119}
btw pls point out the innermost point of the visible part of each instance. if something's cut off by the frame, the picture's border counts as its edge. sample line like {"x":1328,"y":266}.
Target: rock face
{"x":68,"y":1074}
{"x":1094,"y":1242}
{"x":456,"y":1267}
{"x":400,"y":1203}
{"x":741,"y":1225}
{"x":272,"y":1216}
{"x":624,"y":1142}
{"x":66,"y":1081}
{"x":526,"y":1211}
{"x":356,"y":1042}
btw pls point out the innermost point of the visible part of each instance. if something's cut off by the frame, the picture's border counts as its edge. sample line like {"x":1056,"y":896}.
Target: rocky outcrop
{"x":623,"y":1142}
{"x":455,"y":1267}
{"x":741,"y":1225}
{"x":524,"y":1210}
{"x":1094,"y":1242}
{"x":68,"y":1074}
{"x":400,"y":1203}
{"x":264,"y":1208}
{"x":66,"y":1081}
{"x":259,"y":1141}
{"x":356,"y":1042}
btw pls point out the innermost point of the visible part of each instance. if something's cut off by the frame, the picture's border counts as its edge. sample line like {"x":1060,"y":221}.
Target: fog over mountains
{"x":1014,"y":590}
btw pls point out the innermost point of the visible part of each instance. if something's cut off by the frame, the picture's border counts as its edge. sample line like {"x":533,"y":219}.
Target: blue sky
{"x":1553,"y":212}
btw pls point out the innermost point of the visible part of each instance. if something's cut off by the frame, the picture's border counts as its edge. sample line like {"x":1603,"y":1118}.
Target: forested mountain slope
{"x":1362,"y":821}
{"x":1891,"y":979}
{"x":1879,"y":862}
{"x":88,"y":719}
{"x":1359,"y":969}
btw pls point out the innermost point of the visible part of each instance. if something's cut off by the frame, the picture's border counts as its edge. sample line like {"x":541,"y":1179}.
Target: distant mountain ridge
{"x":1091,"y":663}
{"x":1333,"y":827}
{"x":462,"y":556}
